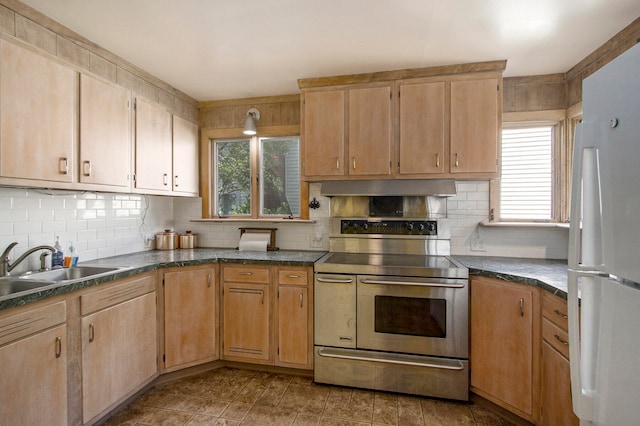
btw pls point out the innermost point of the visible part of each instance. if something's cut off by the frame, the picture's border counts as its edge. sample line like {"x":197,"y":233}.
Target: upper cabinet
{"x":185,"y":156}
{"x":476,"y":108}
{"x":105,"y":137}
{"x":37,"y":116}
{"x":422,"y":128}
{"x":347,"y":132}
{"x":166,"y":152}
{"x":444,"y":122}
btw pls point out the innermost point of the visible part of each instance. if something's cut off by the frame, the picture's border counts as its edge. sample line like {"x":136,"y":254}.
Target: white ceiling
{"x":227,"y":49}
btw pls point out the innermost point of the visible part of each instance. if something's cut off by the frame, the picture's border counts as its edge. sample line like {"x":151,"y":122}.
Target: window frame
{"x":207,"y":172}
{"x":562,"y":153}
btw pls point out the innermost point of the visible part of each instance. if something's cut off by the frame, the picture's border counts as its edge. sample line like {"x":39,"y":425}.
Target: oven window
{"x":411,"y":316}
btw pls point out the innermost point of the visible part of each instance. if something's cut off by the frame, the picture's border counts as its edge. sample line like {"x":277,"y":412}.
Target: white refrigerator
{"x":604,"y":248}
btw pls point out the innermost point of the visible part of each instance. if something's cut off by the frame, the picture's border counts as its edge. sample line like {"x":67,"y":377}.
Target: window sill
{"x":262,"y":220}
{"x":524,"y":224}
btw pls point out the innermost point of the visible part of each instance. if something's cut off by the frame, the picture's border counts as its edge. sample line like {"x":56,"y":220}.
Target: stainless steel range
{"x":391,"y":309}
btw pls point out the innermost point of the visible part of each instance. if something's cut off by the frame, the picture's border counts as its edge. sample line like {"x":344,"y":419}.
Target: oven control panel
{"x":389,"y":227}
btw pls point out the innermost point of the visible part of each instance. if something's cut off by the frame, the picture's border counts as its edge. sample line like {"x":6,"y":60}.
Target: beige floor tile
{"x":346,"y":410}
{"x":236,"y":411}
{"x":162,"y":417}
{"x":261,"y":415}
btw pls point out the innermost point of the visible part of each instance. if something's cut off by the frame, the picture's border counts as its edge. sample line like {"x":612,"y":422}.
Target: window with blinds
{"x":526,"y":186}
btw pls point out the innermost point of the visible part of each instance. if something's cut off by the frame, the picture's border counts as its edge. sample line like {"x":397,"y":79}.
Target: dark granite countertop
{"x":137,"y":263}
{"x":548,"y":274}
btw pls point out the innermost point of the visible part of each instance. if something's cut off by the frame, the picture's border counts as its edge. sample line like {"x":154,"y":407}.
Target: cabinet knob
{"x":560,"y":314}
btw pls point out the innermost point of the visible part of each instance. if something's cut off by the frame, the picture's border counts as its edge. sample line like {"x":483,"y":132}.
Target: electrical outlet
{"x":477,"y":245}
{"x":316,"y":241}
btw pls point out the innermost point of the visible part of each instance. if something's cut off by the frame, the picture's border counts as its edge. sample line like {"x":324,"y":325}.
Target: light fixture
{"x":253,"y":115}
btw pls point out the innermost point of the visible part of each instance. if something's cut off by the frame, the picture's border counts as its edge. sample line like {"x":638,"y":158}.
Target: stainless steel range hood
{"x":436,"y":187}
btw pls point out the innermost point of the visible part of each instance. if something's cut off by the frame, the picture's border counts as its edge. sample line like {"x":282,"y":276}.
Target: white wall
{"x":102,"y":225}
{"x":99,"y":224}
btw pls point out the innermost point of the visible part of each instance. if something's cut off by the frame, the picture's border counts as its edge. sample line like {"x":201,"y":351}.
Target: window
{"x":526,"y":186}
{"x":257,"y":177}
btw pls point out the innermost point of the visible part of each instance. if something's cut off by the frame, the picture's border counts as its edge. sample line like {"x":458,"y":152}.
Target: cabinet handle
{"x":559,"y":339}
{"x":246,"y":273}
{"x":64,"y":165}
{"x":165,"y":179}
{"x":522,"y":306}
{"x":301,"y":300}
{"x":457,"y":162}
{"x":337,"y":163}
{"x":86,"y":168}
{"x":354,"y":163}
{"x":209,"y":280}
{"x":91,"y":333}
{"x":560,"y":314}
{"x":58,"y":347}
{"x":438,"y":160}
{"x":175,"y":181}
{"x":293,"y":276}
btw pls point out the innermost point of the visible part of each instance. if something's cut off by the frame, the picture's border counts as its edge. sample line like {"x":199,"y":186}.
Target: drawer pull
{"x":91,"y":333}
{"x":63,"y":165}
{"x":58,"y":347}
{"x":438,"y":160}
{"x":246,"y":273}
{"x":522,"y":306}
{"x":293,"y":276}
{"x":209,"y":280}
{"x":560,"y":314}
{"x":301,"y":300}
{"x":559,"y":339}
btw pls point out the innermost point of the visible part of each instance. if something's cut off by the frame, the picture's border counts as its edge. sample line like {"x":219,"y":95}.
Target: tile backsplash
{"x":105,"y":224}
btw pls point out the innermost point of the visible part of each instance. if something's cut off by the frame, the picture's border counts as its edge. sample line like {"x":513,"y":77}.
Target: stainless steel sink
{"x":9,"y":286}
{"x":68,"y":274}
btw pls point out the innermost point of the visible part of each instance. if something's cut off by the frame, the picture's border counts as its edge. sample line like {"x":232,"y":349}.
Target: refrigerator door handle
{"x":586,"y":222}
{"x":581,"y":369}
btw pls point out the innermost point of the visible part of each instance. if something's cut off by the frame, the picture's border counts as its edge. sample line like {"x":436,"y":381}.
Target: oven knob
{"x":365,"y":226}
{"x":355,"y":226}
{"x":431,"y":226}
{"x":410,"y":226}
{"x":421,"y":227}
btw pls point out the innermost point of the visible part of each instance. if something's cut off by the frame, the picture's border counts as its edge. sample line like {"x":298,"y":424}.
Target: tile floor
{"x":229,"y":396}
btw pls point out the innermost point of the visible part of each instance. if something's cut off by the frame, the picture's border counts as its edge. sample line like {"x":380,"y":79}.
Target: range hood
{"x":416,"y":187}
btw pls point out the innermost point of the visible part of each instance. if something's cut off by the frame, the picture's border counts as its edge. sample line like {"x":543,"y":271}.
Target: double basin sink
{"x":31,"y":282}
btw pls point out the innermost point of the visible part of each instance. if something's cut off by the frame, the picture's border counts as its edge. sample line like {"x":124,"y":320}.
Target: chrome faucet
{"x":6,"y":267}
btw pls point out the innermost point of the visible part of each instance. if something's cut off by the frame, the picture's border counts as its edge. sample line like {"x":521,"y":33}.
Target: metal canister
{"x":167,"y":240}
{"x":188,"y":240}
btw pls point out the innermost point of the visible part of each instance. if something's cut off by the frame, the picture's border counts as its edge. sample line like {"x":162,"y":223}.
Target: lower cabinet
{"x":505,"y":323}
{"x":295,"y":317}
{"x":267,"y":315}
{"x":119,"y":343}
{"x":190,"y":317}
{"x":246,"y":319}
{"x":33,"y":356}
{"x":555,"y":381}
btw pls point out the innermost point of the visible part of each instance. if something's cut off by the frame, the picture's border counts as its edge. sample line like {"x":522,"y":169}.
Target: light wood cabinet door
{"x":505,"y":344}
{"x":324,"y":133}
{"x":105,"y":137}
{"x":119,"y":352}
{"x":33,"y":383}
{"x":474,"y":126}
{"x":153,"y":147}
{"x":555,"y":399}
{"x":422,"y":128}
{"x":295,"y":318}
{"x":185,"y":156}
{"x":370,"y":131}
{"x":37,"y":116}
{"x":246,"y":322}
{"x":190,"y":313}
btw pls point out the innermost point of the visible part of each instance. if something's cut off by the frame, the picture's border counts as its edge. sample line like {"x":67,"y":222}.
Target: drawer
{"x":246,"y":274}
{"x":100,"y":299}
{"x":556,"y":337}
{"x":555,"y":310}
{"x":31,"y":321}
{"x":293,"y":276}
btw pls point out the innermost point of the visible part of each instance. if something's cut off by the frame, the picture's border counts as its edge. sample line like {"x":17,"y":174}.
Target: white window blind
{"x":526,"y":188}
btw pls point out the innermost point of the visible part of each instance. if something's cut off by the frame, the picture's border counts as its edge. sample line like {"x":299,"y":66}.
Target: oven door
{"x":423,"y":316}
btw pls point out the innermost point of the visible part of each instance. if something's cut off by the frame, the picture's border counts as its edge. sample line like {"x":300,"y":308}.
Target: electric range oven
{"x":391,"y":309}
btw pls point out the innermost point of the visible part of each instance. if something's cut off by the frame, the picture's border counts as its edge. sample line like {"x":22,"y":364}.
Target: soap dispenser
{"x":57,"y":259}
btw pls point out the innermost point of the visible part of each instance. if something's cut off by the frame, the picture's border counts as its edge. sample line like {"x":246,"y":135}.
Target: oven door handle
{"x":334,"y":280}
{"x":383,"y":282}
{"x":328,"y":353}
